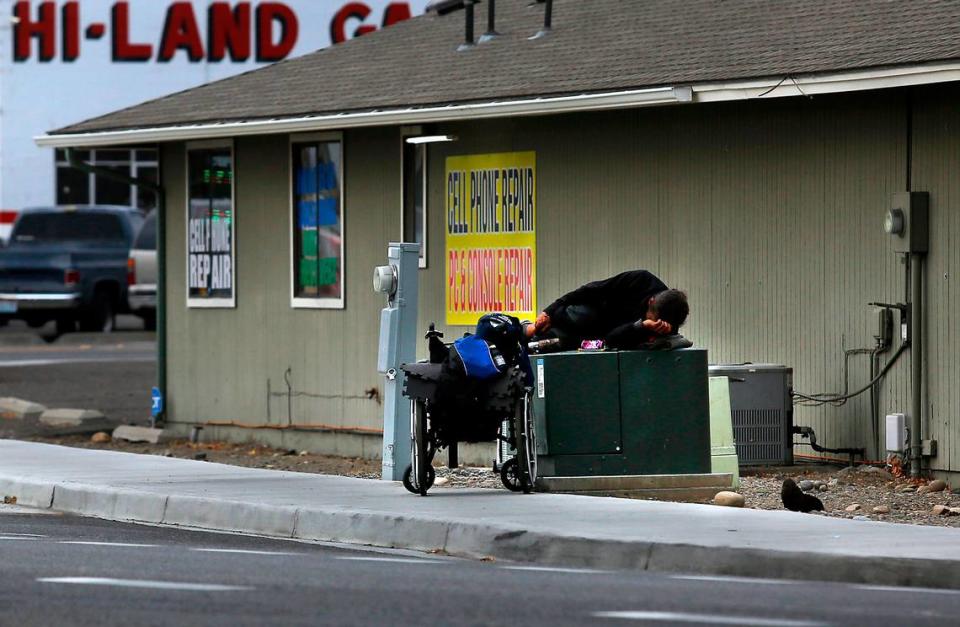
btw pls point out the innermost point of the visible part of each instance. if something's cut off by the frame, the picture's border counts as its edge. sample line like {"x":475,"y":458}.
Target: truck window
{"x":147,"y":237}
{"x":68,"y":227}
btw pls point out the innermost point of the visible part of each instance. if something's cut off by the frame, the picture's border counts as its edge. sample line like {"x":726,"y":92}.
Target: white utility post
{"x":398,"y":345}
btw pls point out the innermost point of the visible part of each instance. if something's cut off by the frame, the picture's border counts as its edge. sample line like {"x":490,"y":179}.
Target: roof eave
{"x":789,"y":86}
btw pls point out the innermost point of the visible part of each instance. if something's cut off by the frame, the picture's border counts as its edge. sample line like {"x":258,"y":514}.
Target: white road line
{"x":55,"y":362}
{"x":246,"y":552}
{"x":143,"y":583}
{"x":22,"y":535}
{"x":396,"y":560}
{"x":898,"y":589}
{"x":749,"y":580}
{"x":18,"y":538}
{"x":91,"y":543}
{"x":550,"y":569}
{"x":710,"y":619}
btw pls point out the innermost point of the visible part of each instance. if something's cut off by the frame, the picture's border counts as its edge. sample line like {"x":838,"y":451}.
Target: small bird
{"x":795,"y":500}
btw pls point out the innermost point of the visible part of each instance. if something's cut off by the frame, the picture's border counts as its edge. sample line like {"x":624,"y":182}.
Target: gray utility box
{"x":762,"y":411}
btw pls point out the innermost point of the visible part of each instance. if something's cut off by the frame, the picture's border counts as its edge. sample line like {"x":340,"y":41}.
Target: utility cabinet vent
{"x":762,"y":412}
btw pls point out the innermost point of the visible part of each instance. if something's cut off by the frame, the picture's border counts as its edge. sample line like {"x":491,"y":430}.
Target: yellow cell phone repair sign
{"x":491,"y":244}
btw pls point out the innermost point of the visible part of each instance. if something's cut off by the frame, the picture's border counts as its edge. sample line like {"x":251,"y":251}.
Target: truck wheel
{"x":66,"y":325}
{"x":100,"y":317}
{"x":149,"y":321}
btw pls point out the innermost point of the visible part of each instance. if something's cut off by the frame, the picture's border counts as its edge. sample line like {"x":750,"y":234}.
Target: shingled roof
{"x":595,"y":46}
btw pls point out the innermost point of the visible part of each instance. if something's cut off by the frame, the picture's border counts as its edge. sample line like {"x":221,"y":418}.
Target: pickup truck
{"x":68,"y":264}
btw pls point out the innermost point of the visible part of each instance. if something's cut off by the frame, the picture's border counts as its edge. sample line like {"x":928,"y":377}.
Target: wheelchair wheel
{"x":525,"y":439}
{"x":408,"y":480}
{"x":419,"y":455}
{"x":510,"y":475}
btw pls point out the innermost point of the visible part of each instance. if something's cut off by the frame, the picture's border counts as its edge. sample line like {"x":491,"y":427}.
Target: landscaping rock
{"x":855,"y":507}
{"x":881,"y":509}
{"x":862,"y":518}
{"x":73,"y":421}
{"x":729,"y":499}
{"x":139,"y":434}
{"x":19,"y":417}
{"x":823,"y":487}
{"x":940,"y":510}
{"x":877,"y":472}
{"x":100,"y":437}
{"x":937,"y":485}
{"x":806,"y":485}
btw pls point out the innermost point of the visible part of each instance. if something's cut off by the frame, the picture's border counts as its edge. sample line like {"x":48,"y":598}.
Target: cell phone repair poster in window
{"x":210,"y":227}
{"x":491,"y":254}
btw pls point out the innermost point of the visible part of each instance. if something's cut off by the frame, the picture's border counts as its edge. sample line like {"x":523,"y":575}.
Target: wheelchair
{"x":447,"y":408}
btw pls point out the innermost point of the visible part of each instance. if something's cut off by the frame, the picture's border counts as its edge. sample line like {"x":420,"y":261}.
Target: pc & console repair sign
{"x":491,"y":249}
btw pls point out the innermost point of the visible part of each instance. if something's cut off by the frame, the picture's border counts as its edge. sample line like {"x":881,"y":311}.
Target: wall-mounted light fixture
{"x":431,"y":139}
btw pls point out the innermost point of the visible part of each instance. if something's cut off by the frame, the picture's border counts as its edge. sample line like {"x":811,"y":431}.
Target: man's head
{"x":670,"y":306}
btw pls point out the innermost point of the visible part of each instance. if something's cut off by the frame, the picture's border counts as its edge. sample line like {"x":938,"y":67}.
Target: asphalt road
{"x":112,"y":373}
{"x":62,"y":570}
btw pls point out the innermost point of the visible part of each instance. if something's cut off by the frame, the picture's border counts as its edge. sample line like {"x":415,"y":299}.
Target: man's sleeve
{"x":626,"y":337}
{"x":593,"y":293}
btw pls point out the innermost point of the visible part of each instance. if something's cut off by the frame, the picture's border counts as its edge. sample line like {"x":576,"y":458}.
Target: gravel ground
{"x":838,"y":488}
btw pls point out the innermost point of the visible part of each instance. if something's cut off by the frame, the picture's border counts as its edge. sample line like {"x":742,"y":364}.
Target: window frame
{"x":211,"y":303}
{"x":317,"y":302}
{"x":406,"y":132}
{"x":133,"y":161}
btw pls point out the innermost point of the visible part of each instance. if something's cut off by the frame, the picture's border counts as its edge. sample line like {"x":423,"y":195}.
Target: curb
{"x":505,"y":542}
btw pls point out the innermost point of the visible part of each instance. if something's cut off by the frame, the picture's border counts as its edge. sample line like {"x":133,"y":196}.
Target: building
{"x":745,"y":152}
{"x":65,"y":60}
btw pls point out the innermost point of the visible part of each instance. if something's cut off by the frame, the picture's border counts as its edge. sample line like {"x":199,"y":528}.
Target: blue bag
{"x":480,"y":360}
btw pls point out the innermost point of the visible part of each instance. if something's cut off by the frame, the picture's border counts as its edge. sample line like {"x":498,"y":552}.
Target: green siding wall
{"x":767,"y":214}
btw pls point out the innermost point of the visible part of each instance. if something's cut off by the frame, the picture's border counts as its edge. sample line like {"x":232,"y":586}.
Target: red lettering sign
{"x":123,"y":49}
{"x":228,"y":30}
{"x":44,"y":29}
{"x":180,"y":30}
{"x":360,"y":11}
{"x":233,"y":29}
{"x":70,"y":16}
{"x":267,"y":14}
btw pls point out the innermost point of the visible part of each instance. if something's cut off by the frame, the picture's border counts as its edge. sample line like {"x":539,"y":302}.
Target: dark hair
{"x":672,"y":306}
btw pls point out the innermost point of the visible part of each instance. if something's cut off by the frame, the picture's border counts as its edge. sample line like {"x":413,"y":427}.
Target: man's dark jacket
{"x":613,"y":303}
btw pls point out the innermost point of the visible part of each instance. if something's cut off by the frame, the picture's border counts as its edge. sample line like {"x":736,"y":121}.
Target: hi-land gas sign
{"x":491,"y":252}
{"x":64,"y":61}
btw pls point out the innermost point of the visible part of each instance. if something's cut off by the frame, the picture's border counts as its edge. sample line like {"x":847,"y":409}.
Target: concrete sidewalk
{"x":552,"y":529}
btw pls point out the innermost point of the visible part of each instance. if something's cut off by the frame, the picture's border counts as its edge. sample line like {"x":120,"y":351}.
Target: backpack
{"x":475,"y":358}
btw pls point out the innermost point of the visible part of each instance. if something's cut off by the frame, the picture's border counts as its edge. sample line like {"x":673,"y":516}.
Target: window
{"x":110,"y":191}
{"x":76,"y":187}
{"x":317,"y":246}
{"x":70,"y":227}
{"x":211,"y":226}
{"x":415,"y":196}
{"x":147,"y":236}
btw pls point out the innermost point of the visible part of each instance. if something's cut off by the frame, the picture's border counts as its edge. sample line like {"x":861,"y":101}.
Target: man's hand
{"x":542,"y":323}
{"x":660,"y":327}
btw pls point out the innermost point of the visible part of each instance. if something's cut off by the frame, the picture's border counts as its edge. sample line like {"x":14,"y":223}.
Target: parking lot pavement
{"x":108,"y":372}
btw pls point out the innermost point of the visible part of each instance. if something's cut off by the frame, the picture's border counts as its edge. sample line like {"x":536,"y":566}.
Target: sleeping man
{"x":628,"y":310}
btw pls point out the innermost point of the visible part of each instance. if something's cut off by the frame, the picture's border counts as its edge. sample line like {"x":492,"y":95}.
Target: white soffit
{"x":790,"y":86}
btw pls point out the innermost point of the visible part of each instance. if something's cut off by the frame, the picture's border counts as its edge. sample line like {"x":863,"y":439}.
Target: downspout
{"x":915,"y":322}
{"x":89,"y":168}
{"x":916,"y":362}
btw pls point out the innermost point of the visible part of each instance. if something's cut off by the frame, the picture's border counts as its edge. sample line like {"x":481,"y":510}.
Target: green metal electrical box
{"x":622,"y":413}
